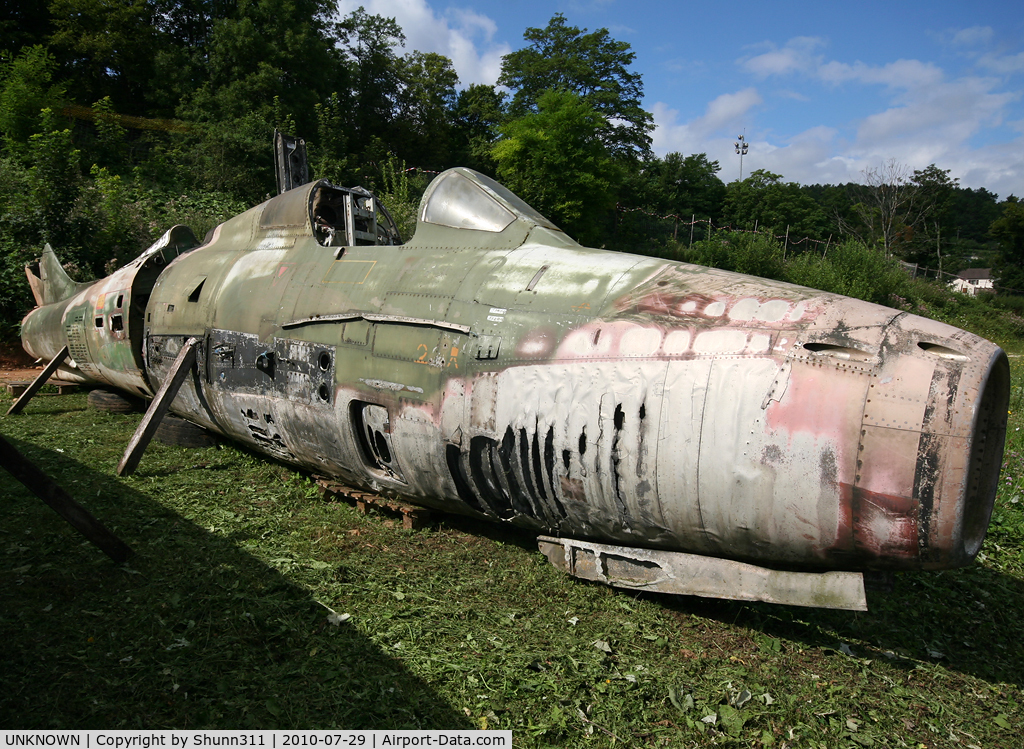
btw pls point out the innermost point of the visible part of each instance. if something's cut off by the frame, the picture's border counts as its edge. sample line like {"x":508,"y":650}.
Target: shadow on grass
{"x":964,"y":620}
{"x":192,"y":633}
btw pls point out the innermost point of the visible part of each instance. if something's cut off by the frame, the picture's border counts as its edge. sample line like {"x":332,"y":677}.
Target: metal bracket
{"x":709,"y":577}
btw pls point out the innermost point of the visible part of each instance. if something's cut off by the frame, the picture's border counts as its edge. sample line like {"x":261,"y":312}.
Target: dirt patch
{"x":16,"y":365}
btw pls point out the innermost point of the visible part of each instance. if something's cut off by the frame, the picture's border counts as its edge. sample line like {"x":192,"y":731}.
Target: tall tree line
{"x":118,"y":117}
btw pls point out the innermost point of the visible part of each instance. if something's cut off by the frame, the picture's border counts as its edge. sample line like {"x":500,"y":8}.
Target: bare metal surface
{"x":711,"y":577}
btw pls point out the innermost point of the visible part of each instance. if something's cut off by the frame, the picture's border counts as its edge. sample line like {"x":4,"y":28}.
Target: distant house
{"x":973,"y":280}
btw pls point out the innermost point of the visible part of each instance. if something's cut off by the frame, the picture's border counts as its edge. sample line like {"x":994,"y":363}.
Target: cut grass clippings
{"x":253,"y":603}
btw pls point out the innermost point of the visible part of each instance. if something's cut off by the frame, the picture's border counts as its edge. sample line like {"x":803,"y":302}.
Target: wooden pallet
{"x":15,"y":389}
{"x":412,"y":517}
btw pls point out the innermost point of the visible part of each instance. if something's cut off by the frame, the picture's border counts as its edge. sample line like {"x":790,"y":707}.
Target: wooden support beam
{"x":151,"y":420}
{"x":38,"y":382}
{"x":37,"y":482}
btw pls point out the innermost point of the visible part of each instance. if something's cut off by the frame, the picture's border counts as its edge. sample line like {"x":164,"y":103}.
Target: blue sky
{"x":823,"y":90}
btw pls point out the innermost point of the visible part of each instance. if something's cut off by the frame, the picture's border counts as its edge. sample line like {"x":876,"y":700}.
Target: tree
{"x":26,"y":88}
{"x":935,"y":200}
{"x":267,"y":66}
{"x":886,"y":206}
{"x":973,"y":212}
{"x":23,"y":23}
{"x":478,"y":113}
{"x":107,"y":47}
{"x":686,"y":186}
{"x":424,"y":104}
{"x":369,"y":43}
{"x":764,"y":200}
{"x":54,"y":181}
{"x":1008,"y":229}
{"x":553,"y":160}
{"x":594,"y":67}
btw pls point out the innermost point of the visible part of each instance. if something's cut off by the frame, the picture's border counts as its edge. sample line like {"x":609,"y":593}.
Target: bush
{"x":743,"y":252}
{"x":15,"y":295}
{"x":851,"y":269}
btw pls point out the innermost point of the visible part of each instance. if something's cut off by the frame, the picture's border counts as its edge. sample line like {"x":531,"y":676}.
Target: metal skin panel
{"x":103,"y":322}
{"x":516,"y":376}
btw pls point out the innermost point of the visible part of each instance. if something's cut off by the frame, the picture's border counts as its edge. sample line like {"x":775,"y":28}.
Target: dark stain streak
{"x":926,"y":474}
{"x":619,"y":420}
{"x":641,"y":451}
{"x":538,"y":467}
{"x":465,"y":491}
{"x":520,"y":499}
{"x":481,"y":464}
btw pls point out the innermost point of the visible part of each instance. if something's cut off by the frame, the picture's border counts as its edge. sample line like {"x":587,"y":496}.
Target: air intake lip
{"x":944,"y":352}
{"x":986,"y":453}
{"x":838,"y":351}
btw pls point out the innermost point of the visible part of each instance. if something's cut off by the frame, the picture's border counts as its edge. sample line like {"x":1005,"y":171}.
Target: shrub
{"x":743,"y":252}
{"x":852,"y":269}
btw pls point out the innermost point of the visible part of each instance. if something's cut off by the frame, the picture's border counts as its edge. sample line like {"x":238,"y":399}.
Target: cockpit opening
{"x":346,"y":217}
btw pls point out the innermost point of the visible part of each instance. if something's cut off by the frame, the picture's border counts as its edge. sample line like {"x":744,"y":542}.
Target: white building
{"x":973,"y":280}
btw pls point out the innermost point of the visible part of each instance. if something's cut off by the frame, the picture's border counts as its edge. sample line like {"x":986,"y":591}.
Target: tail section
{"x":49,"y":281}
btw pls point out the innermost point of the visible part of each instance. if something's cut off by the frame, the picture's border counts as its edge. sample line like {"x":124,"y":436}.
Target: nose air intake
{"x":986,"y":451}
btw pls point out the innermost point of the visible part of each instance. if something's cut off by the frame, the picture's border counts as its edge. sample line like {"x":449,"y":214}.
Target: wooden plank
{"x":38,"y":382}
{"x":413,"y":517}
{"x":151,"y":420}
{"x":37,"y":482}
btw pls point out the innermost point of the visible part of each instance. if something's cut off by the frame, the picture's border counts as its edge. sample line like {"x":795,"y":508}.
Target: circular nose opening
{"x":986,"y":452}
{"x":324,"y":392}
{"x":324,"y":360}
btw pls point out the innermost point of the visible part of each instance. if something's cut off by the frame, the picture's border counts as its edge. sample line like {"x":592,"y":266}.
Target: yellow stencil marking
{"x":349,"y":271}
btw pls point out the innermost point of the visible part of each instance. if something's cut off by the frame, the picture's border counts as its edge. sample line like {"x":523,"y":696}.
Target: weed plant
{"x":253,"y":603}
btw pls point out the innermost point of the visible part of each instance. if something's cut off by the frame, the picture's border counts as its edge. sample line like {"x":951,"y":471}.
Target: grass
{"x":252,"y":602}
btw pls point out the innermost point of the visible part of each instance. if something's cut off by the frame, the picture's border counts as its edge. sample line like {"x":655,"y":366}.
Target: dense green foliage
{"x":118,"y":119}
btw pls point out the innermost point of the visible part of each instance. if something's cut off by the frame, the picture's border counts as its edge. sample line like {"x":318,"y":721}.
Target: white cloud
{"x":927,"y":118}
{"x":1003,"y":64}
{"x":796,"y":56}
{"x":725,"y":111}
{"x":903,"y":74}
{"x":973,"y":37}
{"x":464,"y":36}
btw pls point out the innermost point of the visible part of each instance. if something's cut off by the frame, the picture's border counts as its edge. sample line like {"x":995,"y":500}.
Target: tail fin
{"x":49,"y":281}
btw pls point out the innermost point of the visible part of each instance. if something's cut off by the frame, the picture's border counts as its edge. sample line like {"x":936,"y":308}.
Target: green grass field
{"x":253,"y":603}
